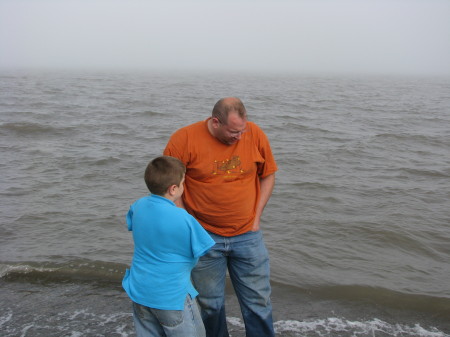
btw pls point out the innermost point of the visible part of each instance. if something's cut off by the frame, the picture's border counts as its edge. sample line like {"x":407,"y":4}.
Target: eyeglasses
{"x":237,"y":133}
{"x":233,"y":133}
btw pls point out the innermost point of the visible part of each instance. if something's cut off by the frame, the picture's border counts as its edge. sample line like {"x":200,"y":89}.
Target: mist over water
{"x":357,"y":227}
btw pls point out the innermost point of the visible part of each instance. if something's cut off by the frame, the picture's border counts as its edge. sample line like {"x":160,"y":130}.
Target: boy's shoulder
{"x":167,"y":207}
{"x":186,"y":216}
{"x":154,"y":202}
{"x":141,"y":200}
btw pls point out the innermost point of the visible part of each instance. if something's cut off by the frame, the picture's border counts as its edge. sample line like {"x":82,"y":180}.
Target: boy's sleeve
{"x":129,"y":218}
{"x":201,"y":242}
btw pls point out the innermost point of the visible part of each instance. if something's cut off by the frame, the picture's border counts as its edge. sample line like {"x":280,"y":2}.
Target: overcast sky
{"x":302,"y":36}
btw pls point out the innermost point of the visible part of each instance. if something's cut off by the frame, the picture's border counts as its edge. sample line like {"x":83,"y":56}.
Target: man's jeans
{"x":247,"y":260}
{"x":170,"y":323}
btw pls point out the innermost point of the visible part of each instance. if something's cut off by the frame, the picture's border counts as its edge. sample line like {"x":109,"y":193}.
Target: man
{"x":229,"y":179}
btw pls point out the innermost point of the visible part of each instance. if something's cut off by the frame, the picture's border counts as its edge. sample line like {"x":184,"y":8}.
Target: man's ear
{"x":215,"y":122}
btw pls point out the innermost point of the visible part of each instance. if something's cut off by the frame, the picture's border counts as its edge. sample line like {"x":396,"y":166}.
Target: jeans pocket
{"x":169,"y":318}
{"x":141,"y":311}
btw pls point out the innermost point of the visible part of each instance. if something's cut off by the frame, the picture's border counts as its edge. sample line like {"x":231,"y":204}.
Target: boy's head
{"x":162,"y":173}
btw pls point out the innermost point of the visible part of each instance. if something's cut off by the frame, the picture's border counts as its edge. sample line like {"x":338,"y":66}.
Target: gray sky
{"x":303,"y":36}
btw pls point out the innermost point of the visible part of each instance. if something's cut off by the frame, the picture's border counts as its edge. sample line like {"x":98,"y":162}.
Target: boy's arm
{"x":129,"y":219}
{"x":266,"y":186}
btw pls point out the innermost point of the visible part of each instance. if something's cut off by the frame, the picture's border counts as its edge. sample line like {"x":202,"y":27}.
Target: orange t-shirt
{"x":222,"y":181}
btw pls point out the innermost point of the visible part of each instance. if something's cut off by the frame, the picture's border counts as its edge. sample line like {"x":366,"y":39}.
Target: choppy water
{"x":358,"y":227}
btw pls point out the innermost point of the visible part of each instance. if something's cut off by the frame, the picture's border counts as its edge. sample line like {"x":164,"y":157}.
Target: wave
{"x":75,"y":270}
{"x":384,"y":297}
{"x":100,"y":161}
{"x":431,"y":140}
{"x":151,"y":113}
{"x":82,"y":270}
{"x":339,"y":326}
{"x":445,"y":173}
{"x":29,"y":128}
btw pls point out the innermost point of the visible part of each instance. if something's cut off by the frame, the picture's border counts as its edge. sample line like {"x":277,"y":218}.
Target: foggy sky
{"x":303,"y":36}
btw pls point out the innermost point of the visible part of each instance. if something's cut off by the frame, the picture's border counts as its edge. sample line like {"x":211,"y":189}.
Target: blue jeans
{"x":151,"y":322}
{"x":247,"y":260}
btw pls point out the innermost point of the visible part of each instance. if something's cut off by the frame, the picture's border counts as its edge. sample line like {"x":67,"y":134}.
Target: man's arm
{"x":266,"y":185}
{"x":174,"y":149}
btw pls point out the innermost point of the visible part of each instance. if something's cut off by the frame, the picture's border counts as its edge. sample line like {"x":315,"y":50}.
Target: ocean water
{"x":358,"y":227}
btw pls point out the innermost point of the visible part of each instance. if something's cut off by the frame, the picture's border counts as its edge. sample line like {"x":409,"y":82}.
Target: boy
{"x":168,"y":242}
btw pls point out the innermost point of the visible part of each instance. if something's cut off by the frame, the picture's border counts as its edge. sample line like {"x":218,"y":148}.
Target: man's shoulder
{"x":190,"y":127}
{"x":255,"y":130}
{"x":252,"y":125}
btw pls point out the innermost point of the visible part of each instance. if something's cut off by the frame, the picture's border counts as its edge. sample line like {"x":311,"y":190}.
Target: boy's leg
{"x":199,"y":327}
{"x":209,"y":279}
{"x":145,"y":322}
{"x":250,"y":274}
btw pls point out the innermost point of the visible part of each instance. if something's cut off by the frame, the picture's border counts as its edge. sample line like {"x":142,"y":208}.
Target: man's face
{"x":231,"y":132}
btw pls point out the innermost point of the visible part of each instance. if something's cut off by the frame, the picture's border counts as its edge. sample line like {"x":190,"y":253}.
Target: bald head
{"x":226,"y":105}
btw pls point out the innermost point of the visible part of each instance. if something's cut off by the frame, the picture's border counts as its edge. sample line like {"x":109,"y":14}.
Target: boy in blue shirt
{"x":168,"y":242}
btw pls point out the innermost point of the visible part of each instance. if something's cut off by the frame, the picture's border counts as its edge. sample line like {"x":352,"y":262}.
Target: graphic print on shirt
{"x":229,"y":168}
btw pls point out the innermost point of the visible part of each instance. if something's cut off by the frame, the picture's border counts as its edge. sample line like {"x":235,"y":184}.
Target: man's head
{"x":164,"y":172}
{"x":228,"y":120}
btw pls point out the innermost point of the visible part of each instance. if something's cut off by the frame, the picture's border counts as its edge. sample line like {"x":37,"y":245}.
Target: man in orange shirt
{"x":230,"y":175}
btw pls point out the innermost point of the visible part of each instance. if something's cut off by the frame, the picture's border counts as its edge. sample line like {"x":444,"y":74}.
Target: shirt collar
{"x":161,"y":199}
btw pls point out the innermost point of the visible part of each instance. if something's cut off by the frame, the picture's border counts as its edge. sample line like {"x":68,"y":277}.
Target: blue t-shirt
{"x":167,"y":244}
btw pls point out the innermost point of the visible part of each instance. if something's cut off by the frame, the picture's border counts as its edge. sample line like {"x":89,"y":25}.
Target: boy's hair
{"x":163,"y":172}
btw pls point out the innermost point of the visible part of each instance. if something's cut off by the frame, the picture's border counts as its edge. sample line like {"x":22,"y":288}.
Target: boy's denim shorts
{"x":170,"y":323}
